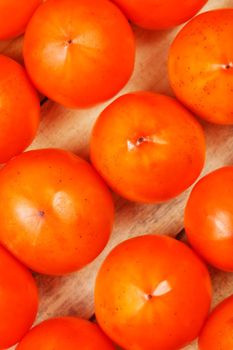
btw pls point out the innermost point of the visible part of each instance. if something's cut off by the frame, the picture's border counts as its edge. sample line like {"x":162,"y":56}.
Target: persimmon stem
{"x":229,"y":65}
{"x":140,"y":140}
{"x":41,"y":213}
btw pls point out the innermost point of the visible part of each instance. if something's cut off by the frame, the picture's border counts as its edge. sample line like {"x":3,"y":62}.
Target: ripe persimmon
{"x":18,"y":300}
{"x":159,"y":14}
{"x":79,"y":52}
{"x":201,"y":66}
{"x":209,"y":218}
{"x":218,"y":330}
{"x":152,"y":292}
{"x":14,"y":16}
{"x":66,"y":333}
{"x":56,"y":213}
{"x":147,"y":147}
{"x":19,"y":109}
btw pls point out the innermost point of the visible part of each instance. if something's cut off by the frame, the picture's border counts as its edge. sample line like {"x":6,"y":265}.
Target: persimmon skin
{"x":14,"y":16}
{"x":158,"y":294}
{"x":18,"y":302}
{"x":56,"y":213}
{"x":79,"y":52}
{"x":19,"y":110}
{"x":218,"y":330}
{"x":209,"y":218}
{"x":147,"y":147}
{"x":201,"y":66}
{"x":66,"y":333}
{"x":159,"y":14}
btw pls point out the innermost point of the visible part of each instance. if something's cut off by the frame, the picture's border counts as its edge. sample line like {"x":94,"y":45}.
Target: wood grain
{"x":70,"y":129}
{"x":13,"y":48}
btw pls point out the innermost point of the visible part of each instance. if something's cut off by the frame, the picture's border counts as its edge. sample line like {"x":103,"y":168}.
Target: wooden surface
{"x":70,"y":129}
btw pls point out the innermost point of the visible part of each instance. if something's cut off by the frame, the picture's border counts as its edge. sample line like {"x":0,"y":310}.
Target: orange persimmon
{"x":56,"y":213}
{"x":14,"y":16}
{"x":79,"y":52}
{"x":209,"y":218}
{"x":218,"y":330}
{"x":19,"y":109}
{"x":18,"y":300}
{"x":201,"y":66}
{"x":152,"y":292}
{"x":147,"y":147}
{"x":66,"y":333}
{"x":159,"y":14}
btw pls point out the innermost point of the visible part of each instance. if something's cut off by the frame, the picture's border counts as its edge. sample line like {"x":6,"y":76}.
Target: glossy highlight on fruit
{"x":18,"y":301}
{"x":66,"y":333}
{"x":159,"y":14}
{"x":14,"y":16}
{"x":152,"y":292}
{"x":209,"y":218}
{"x":56,"y":213}
{"x":201,"y":66}
{"x":218,"y":330}
{"x":19,"y":109}
{"x":79,"y":52}
{"x":147,"y":147}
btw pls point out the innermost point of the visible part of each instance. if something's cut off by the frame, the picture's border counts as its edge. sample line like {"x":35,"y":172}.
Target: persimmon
{"x":56,"y":213}
{"x":201,"y":66}
{"x":18,"y":301}
{"x":79,"y":52}
{"x":209,"y":218}
{"x":66,"y":333}
{"x":152,"y":292}
{"x":159,"y":14}
{"x":218,"y":330}
{"x":147,"y":147}
{"x":20,"y":109}
{"x":14,"y":16}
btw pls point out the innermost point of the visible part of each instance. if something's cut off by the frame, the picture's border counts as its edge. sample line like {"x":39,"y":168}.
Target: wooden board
{"x":70,"y":129}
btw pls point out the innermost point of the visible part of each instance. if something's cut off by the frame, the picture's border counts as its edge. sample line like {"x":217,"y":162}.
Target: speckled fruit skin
{"x":147,"y":147}
{"x":209,"y":218}
{"x":217,"y":332}
{"x":66,"y":333}
{"x":56,"y":213}
{"x":152,"y":292}
{"x":159,"y":14}
{"x":201,"y":66}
